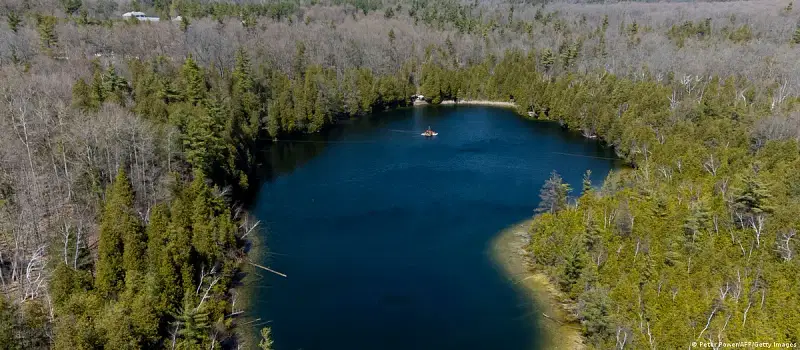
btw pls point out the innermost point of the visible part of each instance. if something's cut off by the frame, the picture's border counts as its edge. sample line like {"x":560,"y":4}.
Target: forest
{"x":126,"y":148}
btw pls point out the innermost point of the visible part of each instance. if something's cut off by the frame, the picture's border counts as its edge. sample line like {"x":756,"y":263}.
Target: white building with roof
{"x":140,"y":16}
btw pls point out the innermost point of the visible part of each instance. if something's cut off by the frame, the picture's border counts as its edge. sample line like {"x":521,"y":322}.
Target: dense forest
{"x":127,"y":146}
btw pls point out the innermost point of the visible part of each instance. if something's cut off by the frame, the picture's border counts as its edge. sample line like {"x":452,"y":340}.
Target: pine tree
{"x":752,"y":205}
{"x":593,"y":237}
{"x":9,"y":326}
{"x":281,"y":111}
{"x":13,"y":21}
{"x":212,"y":229}
{"x":594,"y":312}
{"x":119,"y":228}
{"x":693,"y":226}
{"x":157,"y":233}
{"x":98,"y":92}
{"x":71,"y":6}
{"x":553,"y":194}
{"x":203,"y":143}
{"x":46,"y":26}
{"x":203,"y":230}
{"x":753,"y":198}
{"x":192,"y":326}
{"x":568,"y":53}
{"x":299,"y":63}
{"x":193,"y":82}
{"x":114,"y":87}
{"x":572,"y":270}
{"x":587,"y":182}
{"x":174,"y":269}
{"x":633,"y":29}
{"x":82,"y":96}
{"x":796,"y":36}
{"x":244,"y":102}
{"x":249,"y":20}
{"x":548,"y":59}
{"x":184,"y":25}
{"x":266,"y":339}
{"x":274,"y":119}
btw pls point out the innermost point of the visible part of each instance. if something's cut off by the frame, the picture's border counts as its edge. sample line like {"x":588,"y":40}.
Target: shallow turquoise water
{"x":384,"y":234}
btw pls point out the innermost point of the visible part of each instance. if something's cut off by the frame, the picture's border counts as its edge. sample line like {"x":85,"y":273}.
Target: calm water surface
{"x":384,"y":234}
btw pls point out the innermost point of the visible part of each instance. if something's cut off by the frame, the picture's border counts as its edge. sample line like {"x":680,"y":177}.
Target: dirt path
{"x":508,"y":252}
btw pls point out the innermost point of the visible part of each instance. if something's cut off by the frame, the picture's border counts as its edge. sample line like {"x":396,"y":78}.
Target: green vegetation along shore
{"x":559,"y":329}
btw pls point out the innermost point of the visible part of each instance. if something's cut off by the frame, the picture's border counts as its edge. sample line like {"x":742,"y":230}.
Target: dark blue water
{"x":384,"y":234}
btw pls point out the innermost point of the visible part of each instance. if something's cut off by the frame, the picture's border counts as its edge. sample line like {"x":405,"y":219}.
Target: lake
{"x":384,"y":234}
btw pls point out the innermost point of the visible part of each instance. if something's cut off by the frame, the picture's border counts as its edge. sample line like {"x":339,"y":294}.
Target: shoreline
{"x":557,"y":330}
{"x":480,"y":102}
{"x":248,"y":326}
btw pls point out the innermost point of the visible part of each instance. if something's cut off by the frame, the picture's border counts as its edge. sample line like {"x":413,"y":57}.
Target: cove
{"x":384,"y":234}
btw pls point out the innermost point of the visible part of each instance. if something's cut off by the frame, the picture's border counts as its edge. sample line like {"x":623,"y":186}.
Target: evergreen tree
{"x":587,"y":182}
{"x":184,"y":25}
{"x":553,"y":194}
{"x":192,"y":81}
{"x":594,"y":305}
{"x":82,"y":96}
{"x":572,"y":270}
{"x":70,"y":6}
{"x":266,"y":339}
{"x":633,"y":29}
{"x":67,"y":281}
{"x":249,"y":19}
{"x":244,"y":101}
{"x":694,"y":225}
{"x":203,"y":143}
{"x":160,"y":274}
{"x":13,"y":21}
{"x":753,"y":198}
{"x":796,"y":36}
{"x":299,"y":63}
{"x":114,"y":87}
{"x":8,"y":325}
{"x":119,"y":228}
{"x":212,"y":228}
{"x":192,"y":326}
{"x":593,"y":238}
{"x":98,"y":92}
{"x":46,"y":26}
{"x":156,"y":235}
{"x":175,"y":267}
{"x":548,"y":59}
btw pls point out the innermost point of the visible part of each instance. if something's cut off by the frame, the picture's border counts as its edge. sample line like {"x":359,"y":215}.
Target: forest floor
{"x":480,"y":102}
{"x":546,"y":300}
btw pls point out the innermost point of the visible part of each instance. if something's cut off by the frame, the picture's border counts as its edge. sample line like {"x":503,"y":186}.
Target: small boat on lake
{"x":429,"y":133}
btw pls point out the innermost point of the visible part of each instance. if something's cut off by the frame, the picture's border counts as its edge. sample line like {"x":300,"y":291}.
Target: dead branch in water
{"x":267,"y":268}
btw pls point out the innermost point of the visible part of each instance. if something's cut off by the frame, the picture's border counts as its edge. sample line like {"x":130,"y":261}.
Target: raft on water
{"x":429,"y":132}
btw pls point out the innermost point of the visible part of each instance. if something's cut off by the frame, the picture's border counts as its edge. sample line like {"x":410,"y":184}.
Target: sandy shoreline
{"x":480,"y":102}
{"x":507,"y":252}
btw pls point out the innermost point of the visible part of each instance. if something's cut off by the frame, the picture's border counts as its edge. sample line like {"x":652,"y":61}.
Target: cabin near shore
{"x":140,"y":16}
